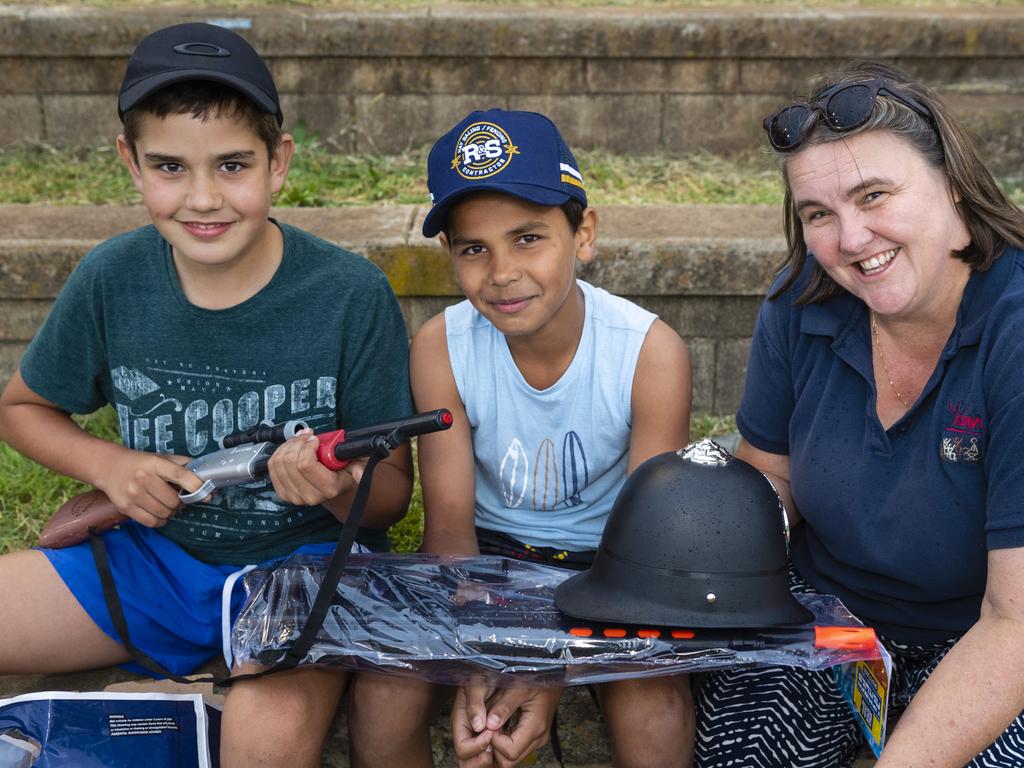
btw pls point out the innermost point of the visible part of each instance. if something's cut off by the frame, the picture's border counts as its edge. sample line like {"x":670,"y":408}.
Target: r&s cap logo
{"x":483,"y":150}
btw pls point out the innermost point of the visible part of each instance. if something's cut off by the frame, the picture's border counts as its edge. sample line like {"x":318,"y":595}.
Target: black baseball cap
{"x":197,"y":52}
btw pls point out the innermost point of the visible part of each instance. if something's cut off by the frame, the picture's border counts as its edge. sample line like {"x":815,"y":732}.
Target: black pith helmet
{"x":695,"y":539}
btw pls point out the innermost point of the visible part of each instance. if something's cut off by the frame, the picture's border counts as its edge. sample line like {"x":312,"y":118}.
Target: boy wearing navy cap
{"x":212,"y":319}
{"x":559,"y":390}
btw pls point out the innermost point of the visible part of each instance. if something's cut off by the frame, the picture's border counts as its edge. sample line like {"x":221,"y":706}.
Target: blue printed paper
{"x":106,"y":730}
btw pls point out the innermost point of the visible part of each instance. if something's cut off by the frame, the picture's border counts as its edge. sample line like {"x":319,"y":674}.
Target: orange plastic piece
{"x":581,"y":631}
{"x":845,"y":638}
{"x":615,"y":633}
{"x":682,"y":634}
{"x":648,"y":633}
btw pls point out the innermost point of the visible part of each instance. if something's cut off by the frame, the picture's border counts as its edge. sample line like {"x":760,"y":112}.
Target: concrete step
{"x":702,"y":268}
{"x":670,"y":79}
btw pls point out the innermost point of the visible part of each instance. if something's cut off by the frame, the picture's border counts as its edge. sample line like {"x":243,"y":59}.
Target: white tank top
{"x":549,"y":463}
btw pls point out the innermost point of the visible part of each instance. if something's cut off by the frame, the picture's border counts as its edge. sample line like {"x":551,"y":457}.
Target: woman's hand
{"x":977,"y":690}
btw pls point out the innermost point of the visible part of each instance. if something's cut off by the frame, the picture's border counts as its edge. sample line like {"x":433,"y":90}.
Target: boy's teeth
{"x":877,"y":261}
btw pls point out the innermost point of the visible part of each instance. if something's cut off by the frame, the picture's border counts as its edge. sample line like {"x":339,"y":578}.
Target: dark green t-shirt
{"x":324,"y":341}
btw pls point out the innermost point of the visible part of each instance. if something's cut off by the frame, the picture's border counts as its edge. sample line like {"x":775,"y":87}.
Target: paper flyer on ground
{"x":56,"y":729}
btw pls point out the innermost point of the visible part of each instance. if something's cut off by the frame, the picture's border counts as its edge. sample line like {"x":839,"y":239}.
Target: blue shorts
{"x":179,"y":609}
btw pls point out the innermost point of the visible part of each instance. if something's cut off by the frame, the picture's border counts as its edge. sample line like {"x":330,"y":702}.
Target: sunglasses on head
{"x":843,"y":107}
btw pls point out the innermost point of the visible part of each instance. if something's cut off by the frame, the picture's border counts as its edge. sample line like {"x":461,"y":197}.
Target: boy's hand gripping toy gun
{"x":243,"y":458}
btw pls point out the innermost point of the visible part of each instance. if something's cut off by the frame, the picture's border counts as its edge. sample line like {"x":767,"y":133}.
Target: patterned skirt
{"x":783,"y":717}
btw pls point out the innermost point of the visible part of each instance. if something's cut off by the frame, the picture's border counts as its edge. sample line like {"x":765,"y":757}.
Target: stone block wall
{"x":666,"y":80}
{"x":686,"y":263}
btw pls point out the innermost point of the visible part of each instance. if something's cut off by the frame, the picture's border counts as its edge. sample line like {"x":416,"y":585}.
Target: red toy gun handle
{"x":338,"y":448}
{"x":325,"y":450}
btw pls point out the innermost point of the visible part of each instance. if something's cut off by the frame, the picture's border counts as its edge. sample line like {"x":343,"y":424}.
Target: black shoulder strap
{"x":151,"y":665}
{"x":329,"y":585}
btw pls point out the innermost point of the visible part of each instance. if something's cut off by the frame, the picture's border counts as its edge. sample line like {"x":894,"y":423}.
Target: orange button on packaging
{"x":845,"y":638}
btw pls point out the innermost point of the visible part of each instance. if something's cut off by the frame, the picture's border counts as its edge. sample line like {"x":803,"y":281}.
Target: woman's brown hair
{"x":992,"y":221}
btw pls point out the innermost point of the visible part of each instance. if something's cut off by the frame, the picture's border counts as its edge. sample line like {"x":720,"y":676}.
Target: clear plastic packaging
{"x":456,"y":619}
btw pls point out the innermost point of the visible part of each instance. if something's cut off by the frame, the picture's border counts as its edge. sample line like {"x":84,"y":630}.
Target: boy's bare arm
{"x":662,"y":391}
{"x":445,"y":458}
{"x":137,"y":483}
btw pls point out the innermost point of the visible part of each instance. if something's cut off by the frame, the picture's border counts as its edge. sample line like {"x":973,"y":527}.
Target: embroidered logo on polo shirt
{"x":483,"y":150}
{"x":962,"y":437}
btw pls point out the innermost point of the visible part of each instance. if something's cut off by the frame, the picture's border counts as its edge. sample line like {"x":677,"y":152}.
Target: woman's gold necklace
{"x":881,"y":357}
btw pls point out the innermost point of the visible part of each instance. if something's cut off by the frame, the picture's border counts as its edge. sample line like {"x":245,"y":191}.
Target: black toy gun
{"x":243,"y":458}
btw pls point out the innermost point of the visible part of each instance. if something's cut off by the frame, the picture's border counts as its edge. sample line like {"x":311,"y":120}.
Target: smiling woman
{"x":884,"y":395}
{"x":882,"y":223}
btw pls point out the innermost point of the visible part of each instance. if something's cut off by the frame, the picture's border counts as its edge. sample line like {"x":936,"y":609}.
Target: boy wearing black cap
{"x":558,"y":390}
{"x":213,"y":319}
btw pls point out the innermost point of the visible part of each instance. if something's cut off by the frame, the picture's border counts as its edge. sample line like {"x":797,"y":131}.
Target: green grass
{"x":95,"y":176}
{"x":29,"y":494}
{"x":319,"y":178}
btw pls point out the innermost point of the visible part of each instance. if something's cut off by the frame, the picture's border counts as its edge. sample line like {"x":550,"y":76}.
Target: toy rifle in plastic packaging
{"x":452,"y":619}
{"x":243,"y":458}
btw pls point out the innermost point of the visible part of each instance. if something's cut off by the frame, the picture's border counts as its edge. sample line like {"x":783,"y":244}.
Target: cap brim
{"x":130,"y":97}
{"x":434,"y":222}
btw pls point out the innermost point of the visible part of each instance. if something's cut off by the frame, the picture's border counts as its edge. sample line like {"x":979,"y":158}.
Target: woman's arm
{"x":776,"y":467}
{"x":977,"y":689}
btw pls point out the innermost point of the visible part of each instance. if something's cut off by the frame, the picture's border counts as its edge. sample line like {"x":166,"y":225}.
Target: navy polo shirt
{"x":898,"y":522}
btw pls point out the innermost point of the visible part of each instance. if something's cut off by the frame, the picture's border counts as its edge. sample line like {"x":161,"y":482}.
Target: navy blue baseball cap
{"x":197,"y":52}
{"x":517,"y":153}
